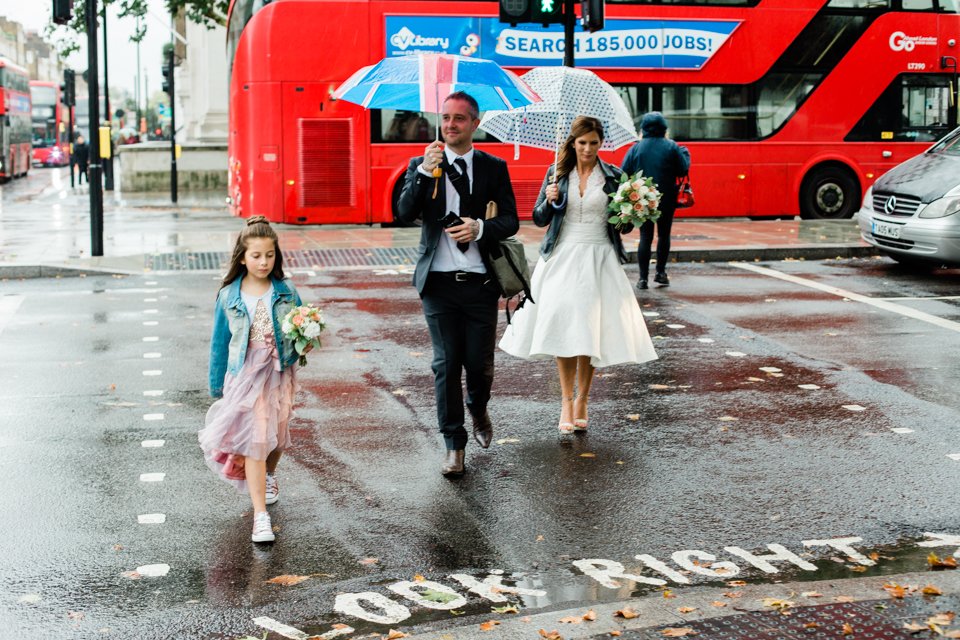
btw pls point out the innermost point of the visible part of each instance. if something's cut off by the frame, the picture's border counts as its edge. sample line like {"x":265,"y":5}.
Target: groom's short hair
{"x":469,"y":99}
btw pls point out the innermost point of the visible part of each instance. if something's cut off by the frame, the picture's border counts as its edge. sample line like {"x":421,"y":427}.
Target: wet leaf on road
{"x":847,"y":629}
{"x":626,"y":613}
{"x":736,"y":583}
{"x":895,"y":590}
{"x":370,"y":561}
{"x":418,"y":578}
{"x":509,"y":608}
{"x":590,"y":615}
{"x":76,"y":615}
{"x":942,"y":619}
{"x":133,"y":575}
{"x":931,"y":590}
{"x":936,"y":563}
{"x":571,"y":620}
{"x":508,"y":440}
{"x":811,"y":625}
{"x":287,"y":580}
{"x":843,"y":599}
{"x":615,"y":634}
{"x":659,"y":387}
{"x":588,"y":455}
{"x":913,"y":627}
{"x":393,"y":634}
{"x":456,"y":612}
{"x":678,"y":632}
{"x":783,"y":606}
{"x":686,"y":609}
{"x":727,"y":419}
{"x":633,"y":416}
{"x":717,"y":603}
{"x":733,"y":594}
{"x":438,"y":596}
{"x":550,"y":635}
{"x":488,"y":625}
{"x":858,"y":568}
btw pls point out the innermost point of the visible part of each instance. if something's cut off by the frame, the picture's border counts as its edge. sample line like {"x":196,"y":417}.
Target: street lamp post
{"x":94,"y":175}
{"x":108,"y":163}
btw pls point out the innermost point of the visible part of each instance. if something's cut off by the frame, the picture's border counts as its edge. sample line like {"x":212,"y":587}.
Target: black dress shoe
{"x":453,"y":464}
{"x":662,"y":279}
{"x":483,"y":430}
{"x":642,"y":285}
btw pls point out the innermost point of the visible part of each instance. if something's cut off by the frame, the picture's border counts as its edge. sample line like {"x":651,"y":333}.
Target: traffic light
{"x":167,"y":85}
{"x":592,"y":15}
{"x":62,"y":11}
{"x":515,"y":12}
{"x":69,"y":87}
{"x":546,"y":11}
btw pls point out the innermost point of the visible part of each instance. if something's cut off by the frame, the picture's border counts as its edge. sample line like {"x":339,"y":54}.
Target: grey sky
{"x":34,"y":15}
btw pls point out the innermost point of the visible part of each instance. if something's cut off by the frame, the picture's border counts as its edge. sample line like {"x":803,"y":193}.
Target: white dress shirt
{"x":449,"y":257}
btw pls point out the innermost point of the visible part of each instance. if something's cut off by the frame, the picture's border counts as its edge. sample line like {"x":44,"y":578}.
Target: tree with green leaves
{"x":209,"y":13}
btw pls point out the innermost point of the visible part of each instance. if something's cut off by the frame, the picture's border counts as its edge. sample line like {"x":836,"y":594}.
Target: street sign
{"x":163,"y":110}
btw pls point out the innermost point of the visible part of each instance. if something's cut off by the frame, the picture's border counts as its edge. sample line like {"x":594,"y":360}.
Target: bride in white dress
{"x":586,"y":314}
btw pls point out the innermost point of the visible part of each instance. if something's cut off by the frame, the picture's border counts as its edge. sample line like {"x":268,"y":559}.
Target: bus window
{"x":919,"y":5}
{"x":780,"y":95}
{"x":697,"y":112}
{"x":389,"y":125}
{"x":914,"y":108}
{"x":859,"y":4}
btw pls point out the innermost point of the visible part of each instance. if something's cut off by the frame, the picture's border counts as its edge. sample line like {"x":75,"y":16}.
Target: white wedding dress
{"x":585,"y":305}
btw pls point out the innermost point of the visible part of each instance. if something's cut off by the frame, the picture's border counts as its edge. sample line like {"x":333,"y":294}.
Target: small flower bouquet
{"x":303,"y":325}
{"x":636,"y":201}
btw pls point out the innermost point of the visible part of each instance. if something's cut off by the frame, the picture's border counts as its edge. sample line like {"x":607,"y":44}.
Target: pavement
{"x":140,"y":227}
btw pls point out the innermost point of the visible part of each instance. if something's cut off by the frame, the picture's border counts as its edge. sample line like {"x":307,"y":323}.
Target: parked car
{"x":912,"y":212}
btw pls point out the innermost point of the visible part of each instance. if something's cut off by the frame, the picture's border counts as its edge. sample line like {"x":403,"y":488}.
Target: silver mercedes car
{"x":912,"y":212}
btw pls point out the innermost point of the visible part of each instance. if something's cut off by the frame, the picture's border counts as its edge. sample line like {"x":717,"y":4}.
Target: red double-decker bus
{"x":788,"y":107}
{"x":51,"y":146}
{"x":14,"y":121}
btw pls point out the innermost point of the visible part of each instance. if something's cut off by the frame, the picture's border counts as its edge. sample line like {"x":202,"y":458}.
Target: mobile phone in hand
{"x":450,"y":220}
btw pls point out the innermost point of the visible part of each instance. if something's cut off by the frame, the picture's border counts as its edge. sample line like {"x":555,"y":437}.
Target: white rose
{"x":286,"y":327}
{"x":626,"y":208}
{"x":311,"y":330}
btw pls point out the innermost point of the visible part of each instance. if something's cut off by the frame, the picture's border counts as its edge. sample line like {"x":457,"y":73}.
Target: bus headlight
{"x":867,"y":199}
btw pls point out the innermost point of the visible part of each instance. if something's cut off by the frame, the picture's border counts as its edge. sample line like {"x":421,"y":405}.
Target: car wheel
{"x":829,"y":192}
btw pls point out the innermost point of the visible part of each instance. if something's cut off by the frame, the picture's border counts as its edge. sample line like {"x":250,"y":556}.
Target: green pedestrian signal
{"x":546,"y":12}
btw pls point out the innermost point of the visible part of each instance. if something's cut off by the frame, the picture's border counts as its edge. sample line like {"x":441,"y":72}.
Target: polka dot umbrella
{"x":565,"y":93}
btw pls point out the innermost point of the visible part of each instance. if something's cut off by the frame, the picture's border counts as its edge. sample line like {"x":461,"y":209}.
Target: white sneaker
{"x":273,"y":489}
{"x":262,"y":528}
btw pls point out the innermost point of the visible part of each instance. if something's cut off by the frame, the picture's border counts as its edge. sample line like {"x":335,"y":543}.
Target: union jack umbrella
{"x":421,"y":82}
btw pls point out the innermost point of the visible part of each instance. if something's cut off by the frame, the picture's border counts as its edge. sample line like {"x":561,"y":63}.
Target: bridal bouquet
{"x":303,"y":325}
{"x":636,"y":201}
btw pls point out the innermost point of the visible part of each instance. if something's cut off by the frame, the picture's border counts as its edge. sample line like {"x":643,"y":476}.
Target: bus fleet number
{"x":916,"y":66}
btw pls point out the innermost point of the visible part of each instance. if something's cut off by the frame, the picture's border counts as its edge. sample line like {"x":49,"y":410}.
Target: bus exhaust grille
{"x":326,"y":163}
{"x":292,"y":260}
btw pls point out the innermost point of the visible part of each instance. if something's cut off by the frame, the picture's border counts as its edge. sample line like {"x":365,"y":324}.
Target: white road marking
{"x":151,"y":518}
{"x":149,"y":299}
{"x":152,"y":372}
{"x":150,"y":323}
{"x":151,"y":311}
{"x":901,"y":430}
{"x":954,"y":456}
{"x":736,"y":354}
{"x":651,"y":314}
{"x":152,"y":477}
{"x":854,"y":407}
{"x":151,"y":339}
{"x":152,"y":444}
{"x":843,"y":293}
{"x":278,"y":627}
{"x":705,"y":340}
{"x":152,"y":355}
{"x":153,"y":570}
{"x":152,"y":416}
{"x":922,"y":298}
{"x":676,"y":326}
{"x":770,"y":370}
{"x":8,"y":307}
{"x":153,"y":392}
{"x":150,"y":282}
{"x":809,"y":387}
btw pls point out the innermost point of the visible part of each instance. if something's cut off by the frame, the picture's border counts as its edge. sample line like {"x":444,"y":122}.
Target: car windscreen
{"x":950,"y":145}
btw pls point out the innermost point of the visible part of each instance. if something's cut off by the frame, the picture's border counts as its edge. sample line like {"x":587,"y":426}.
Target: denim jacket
{"x":545,"y":213}
{"x":231,"y":330}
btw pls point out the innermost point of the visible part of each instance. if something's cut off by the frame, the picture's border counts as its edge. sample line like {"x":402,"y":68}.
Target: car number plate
{"x":886,"y":230}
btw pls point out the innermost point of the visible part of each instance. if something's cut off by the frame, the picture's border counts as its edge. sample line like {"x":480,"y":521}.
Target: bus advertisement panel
{"x":788,"y":107}
{"x":51,"y":146}
{"x":14,"y":121}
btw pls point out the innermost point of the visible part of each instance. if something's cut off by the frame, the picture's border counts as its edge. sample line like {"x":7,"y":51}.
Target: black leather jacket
{"x":547,"y":214}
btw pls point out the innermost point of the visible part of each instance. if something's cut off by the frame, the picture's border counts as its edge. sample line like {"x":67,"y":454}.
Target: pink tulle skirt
{"x":252,"y":417}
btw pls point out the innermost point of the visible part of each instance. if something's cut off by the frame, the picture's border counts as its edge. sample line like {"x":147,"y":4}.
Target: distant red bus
{"x":788,"y":107}
{"x":14,"y":121}
{"x":51,"y":146}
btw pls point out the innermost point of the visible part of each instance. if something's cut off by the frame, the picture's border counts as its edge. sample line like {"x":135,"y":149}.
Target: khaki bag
{"x":508,"y":260}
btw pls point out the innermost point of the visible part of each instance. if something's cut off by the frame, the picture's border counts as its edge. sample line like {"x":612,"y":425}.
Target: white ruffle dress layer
{"x":585,"y":305}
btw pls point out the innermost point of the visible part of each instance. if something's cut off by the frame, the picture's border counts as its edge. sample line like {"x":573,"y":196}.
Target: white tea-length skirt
{"x":585,"y":305}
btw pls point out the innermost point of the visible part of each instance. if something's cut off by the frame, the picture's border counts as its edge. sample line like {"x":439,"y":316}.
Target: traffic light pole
{"x":93,"y":82}
{"x":569,"y":24}
{"x":173,"y":134}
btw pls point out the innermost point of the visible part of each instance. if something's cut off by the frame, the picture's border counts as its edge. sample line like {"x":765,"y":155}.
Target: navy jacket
{"x":545,"y":213}
{"x":659,"y":158}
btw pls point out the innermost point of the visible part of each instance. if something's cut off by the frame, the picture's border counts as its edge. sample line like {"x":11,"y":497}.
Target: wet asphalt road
{"x":700,"y":450}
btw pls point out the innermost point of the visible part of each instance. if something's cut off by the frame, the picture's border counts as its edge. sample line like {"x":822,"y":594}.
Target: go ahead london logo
{"x":899,"y":41}
{"x":625,"y":44}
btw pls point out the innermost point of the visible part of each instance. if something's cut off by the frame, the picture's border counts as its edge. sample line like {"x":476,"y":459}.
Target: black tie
{"x":461,"y":182}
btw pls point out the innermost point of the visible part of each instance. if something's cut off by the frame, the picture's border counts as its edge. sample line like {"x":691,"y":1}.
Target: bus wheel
{"x":829,"y":192}
{"x":394,"y":203}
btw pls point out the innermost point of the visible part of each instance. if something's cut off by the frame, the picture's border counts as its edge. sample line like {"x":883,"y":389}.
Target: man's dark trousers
{"x":462,"y":318}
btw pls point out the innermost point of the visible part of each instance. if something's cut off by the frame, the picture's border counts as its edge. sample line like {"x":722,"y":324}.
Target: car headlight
{"x":945,"y":206}
{"x":867,"y":199}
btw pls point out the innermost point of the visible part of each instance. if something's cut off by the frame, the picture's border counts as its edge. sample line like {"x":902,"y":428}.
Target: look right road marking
{"x":8,"y":307}
{"x":843,"y":293}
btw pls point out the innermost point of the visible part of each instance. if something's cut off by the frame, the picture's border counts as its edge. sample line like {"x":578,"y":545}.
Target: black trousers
{"x":462,"y":318}
{"x":664,"y":222}
{"x":82,"y":173}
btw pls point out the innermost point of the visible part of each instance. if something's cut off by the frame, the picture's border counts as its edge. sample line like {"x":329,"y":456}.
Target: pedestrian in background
{"x":665,"y":161}
{"x":459,"y":293}
{"x":585,"y":314}
{"x":252,"y":371}
{"x":81,"y":156}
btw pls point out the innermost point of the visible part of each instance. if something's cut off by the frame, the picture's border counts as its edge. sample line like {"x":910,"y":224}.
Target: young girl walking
{"x":252,"y":372}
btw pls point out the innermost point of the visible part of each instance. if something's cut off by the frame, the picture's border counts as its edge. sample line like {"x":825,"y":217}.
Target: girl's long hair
{"x":581,"y":126}
{"x":256,"y":227}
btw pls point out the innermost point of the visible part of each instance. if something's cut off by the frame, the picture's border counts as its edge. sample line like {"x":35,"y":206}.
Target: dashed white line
{"x":151,"y":518}
{"x":901,"y":430}
{"x":8,"y":307}
{"x":152,"y":355}
{"x":152,"y":444}
{"x":151,"y":339}
{"x":150,"y":417}
{"x":843,"y":293}
{"x":278,"y":627}
{"x":151,"y":311}
{"x":854,"y":407}
{"x":153,"y":372}
{"x":150,"y":282}
{"x":150,"y":323}
{"x":149,"y":299}
{"x":954,"y":456}
{"x":736,"y":354}
{"x":153,"y":570}
{"x":153,"y":392}
{"x":152,"y":477}
{"x":705,"y":340}
{"x":809,"y":387}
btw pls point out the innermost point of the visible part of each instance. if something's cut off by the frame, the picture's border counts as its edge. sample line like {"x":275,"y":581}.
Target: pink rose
{"x":297,"y":320}
{"x":638,"y":206}
{"x":634,"y":196}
